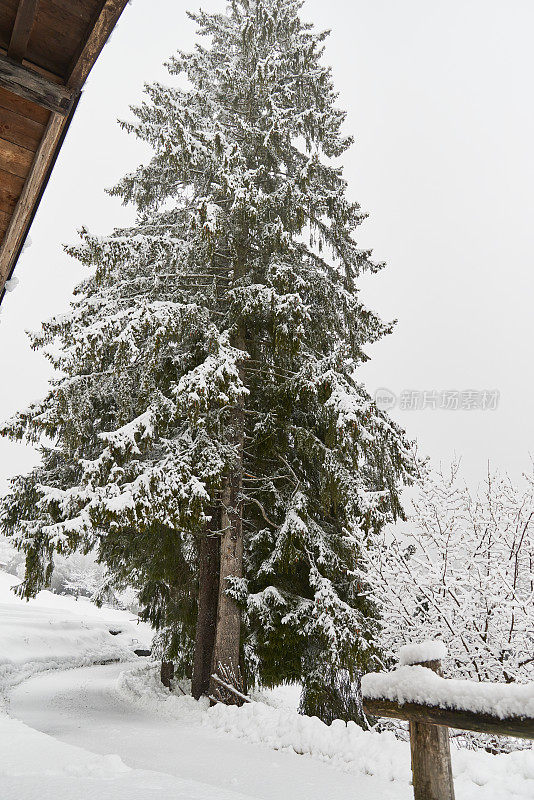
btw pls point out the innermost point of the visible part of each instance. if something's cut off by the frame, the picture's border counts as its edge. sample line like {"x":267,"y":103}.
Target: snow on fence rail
{"x":417,"y":692}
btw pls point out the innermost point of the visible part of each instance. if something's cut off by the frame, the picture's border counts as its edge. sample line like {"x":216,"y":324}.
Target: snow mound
{"x":26,"y":751}
{"x":343,"y":746}
{"x":420,"y":685}
{"x":425,"y":651}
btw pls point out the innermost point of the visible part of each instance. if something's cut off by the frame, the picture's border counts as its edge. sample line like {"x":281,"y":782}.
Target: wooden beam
{"x":61,"y":100}
{"x":35,"y":87}
{"x":18,"y":105}
{"x":22,"y":29}
{"x":451,"y":718}
{"x":22,"y":216}
{"x":97,"y":37}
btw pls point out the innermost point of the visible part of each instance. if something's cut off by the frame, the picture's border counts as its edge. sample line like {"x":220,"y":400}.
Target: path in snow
{"x":82,"y":707}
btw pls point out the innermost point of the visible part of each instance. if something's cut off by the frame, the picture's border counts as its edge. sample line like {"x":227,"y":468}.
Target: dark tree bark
{"x":167,"y":673}
{"x":208,"y":596}
{"x":228,"y":633}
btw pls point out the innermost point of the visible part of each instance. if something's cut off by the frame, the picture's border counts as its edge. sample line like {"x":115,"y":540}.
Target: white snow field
{"x":71,"y":732}
{"x":56,"y":632}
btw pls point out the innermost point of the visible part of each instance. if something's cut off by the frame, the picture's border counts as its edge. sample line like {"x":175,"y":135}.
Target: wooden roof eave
{"x":60,"y":97}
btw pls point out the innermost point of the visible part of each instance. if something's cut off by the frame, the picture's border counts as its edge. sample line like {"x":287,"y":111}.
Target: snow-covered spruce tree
{"x":206,"y":416}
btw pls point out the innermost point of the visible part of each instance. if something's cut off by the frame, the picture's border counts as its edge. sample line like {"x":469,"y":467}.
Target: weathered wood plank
{"x":520,"y":727}
{"x":431,"y":762}
{"x":83,"y":10}
{"x":96,"y":39}
{"x":60,"y":28}
{"x":22,"y":29}
{"x":9,"y":193}
{"x":62,"y":47}
{"x":35,"y":87}
{"x":14,"y":158}
{"x":8,"y":10}
{"x":4,"y":223}
{"x":4,"y":219}
{"x":7,"y":203}
{"x":12,"y":102}
{"x":20,"y":130}
{"x":10,"y":182}
{"x":30,"y":195}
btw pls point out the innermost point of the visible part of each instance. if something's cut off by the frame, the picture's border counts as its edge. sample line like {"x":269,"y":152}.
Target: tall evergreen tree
{"x":206,"y":413}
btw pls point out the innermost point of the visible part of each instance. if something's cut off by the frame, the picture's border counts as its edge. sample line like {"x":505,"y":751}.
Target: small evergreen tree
{"x":206,"y":415}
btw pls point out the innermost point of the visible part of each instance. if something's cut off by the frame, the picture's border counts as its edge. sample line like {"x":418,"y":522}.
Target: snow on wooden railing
{"x":416,"y":692}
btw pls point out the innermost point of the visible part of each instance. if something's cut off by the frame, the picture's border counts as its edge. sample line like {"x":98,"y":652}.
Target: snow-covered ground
{"x":56,"y":632}
{"x":111,"y":731}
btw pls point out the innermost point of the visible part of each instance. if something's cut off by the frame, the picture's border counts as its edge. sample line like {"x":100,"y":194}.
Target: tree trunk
{"x":167,"y":673}
{"x":208,"y":595}
{"x":226,"y":651}
{"x":228,"y":635}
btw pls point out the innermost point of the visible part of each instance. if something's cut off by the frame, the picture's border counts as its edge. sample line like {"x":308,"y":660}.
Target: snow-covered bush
{"x":77,"y":575}
{"x":462,"y":571}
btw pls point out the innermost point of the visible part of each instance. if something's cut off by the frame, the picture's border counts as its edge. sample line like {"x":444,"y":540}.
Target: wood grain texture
{"x":4,"y":220}
{"x":18,"y":105}
{"x":430,"y":751}
{"x":52,"y":43}
{"x":520,"y":727}
{"x":431,"y":762}
{"x":20,"y":130}
{"x":15,"y":159}
{"x":22,"y":29}
{"x":11,"y":183}
{"x":8,"y":12}
{"x":59,"y":27}
{"x":33,"y":86}
{"x":4,"y":223}
{"x":30,"y":194}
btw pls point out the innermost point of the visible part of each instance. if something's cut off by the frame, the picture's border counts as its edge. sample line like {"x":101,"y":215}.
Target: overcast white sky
{"x":439,"y":98}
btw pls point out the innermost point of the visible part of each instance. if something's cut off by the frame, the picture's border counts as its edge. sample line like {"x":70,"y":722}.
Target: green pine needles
{"x":206,"y":392}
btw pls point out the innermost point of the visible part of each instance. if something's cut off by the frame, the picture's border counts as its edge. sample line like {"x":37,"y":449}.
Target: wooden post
{"x":431,"y":756}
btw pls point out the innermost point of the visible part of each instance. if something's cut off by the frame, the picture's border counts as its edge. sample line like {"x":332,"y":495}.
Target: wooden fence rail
{"x":429,"y":736}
